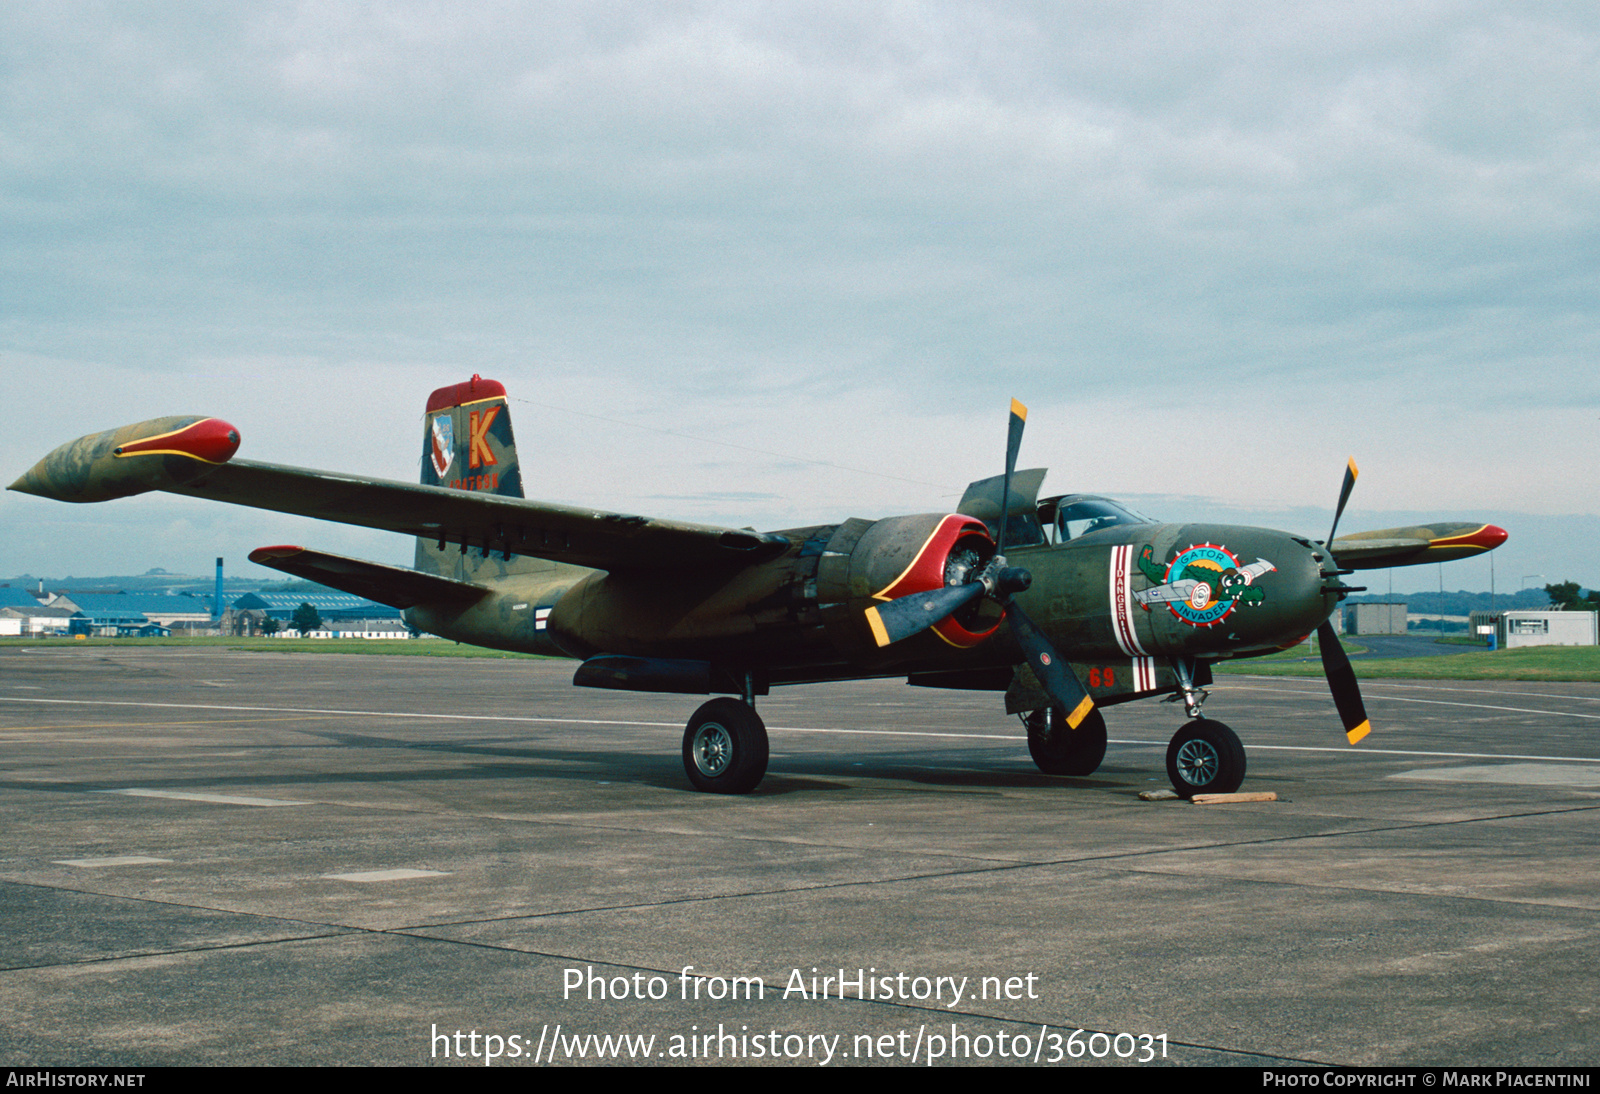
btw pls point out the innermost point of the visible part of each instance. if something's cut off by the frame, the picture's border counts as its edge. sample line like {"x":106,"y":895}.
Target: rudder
{"x":467,"y":445}
{"x":467,"y":442}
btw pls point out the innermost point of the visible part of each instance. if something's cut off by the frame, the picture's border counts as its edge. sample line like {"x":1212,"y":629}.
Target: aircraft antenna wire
{"x":729,"y":444}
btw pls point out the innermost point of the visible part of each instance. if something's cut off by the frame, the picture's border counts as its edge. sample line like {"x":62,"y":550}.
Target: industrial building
{"x":124,"y":615}
{"x":1538,"y":628}
{"x":343,"y":615}
{"x":144,"y":615}
{"x":22,"y":613}
{"x":1375,"y":618}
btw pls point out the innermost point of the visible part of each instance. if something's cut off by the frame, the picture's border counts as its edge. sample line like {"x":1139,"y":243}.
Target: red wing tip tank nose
{"x":155,"y":455}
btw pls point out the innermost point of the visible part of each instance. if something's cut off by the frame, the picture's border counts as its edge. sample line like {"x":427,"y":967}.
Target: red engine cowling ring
{"x":929,"y":570}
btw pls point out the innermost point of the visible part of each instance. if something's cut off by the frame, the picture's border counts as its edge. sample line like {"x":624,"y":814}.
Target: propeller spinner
{"x":905,"y":616}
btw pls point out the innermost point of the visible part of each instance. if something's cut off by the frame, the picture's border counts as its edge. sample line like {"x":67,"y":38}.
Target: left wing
{"x":193,"y":456}
{"x":489,"y":522}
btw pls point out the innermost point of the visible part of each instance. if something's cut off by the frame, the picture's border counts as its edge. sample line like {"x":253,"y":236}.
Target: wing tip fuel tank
{"x":118,"y":463}
{"x":1417,"y":545}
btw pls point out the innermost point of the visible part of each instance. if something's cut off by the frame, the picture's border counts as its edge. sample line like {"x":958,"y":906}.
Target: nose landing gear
{"x":1204,"y":757}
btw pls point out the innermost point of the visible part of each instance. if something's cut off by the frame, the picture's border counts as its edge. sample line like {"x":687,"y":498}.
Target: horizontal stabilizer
{"x":1416,"y":546}
{"x":395,"y":586}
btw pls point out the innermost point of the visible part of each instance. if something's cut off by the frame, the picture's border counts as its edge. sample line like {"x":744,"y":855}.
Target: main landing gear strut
{"x":725,"y":745}
{"x":1204,"y":757}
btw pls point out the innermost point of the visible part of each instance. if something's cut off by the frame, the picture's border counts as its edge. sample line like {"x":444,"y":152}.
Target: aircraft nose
{"x":1241,"y":590}
{"x":1297,"y":594}
{"x":1318,"y":592}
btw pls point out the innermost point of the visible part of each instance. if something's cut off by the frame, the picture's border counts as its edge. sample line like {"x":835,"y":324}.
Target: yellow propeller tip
{"x":880,"y":634}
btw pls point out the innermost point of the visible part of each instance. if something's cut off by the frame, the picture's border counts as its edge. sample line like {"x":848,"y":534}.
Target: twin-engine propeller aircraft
{"x":1066,"y":604}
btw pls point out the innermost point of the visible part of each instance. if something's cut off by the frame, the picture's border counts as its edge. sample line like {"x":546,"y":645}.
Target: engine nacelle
{"x":156,"y":455}
{"x":869,"y":564}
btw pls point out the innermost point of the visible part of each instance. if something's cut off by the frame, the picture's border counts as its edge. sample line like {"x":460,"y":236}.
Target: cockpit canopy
{"x":1031,"y":522}
{"x":1072,"y":516}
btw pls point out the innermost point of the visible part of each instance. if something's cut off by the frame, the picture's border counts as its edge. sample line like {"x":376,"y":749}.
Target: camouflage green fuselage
{"x":1138,"y":608}
{"x":800,"y":616}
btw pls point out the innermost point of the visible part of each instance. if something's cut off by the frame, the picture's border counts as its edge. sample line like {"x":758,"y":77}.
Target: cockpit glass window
{"x":1079,"y":518}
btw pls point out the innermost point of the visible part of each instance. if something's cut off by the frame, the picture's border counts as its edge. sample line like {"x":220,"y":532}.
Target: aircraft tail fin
{"x":467,"y":442}
{"x":467,"y":445}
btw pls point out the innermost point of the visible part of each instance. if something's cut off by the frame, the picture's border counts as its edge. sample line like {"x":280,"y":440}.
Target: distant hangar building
{"x":1375,"y":618}
{"x":134,"y":614}
{"x":341,"y":613}
{"x":23,"y":613}
{"x":166,"y":610}
{"x":1538,"y":628}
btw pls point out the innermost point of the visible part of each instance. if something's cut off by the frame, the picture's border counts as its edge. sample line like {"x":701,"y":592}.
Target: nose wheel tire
{"x":1205,"y":757}
{"x":725,"y":748}
{"x":1058,"y":750}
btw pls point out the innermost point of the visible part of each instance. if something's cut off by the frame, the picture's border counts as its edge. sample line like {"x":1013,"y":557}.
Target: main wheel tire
{"x":1059,"y":750}
{"x":1205,"y":757}
{"x":725,"y":748}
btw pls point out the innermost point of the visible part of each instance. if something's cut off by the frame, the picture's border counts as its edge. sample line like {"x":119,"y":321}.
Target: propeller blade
{"x":1350,"y":473}
{"x":1019,"y":418}
{"x":905,"y":616}
{"x":908,"y":615}
{"x":1342,"y":681}
{"x":1050,"y":667}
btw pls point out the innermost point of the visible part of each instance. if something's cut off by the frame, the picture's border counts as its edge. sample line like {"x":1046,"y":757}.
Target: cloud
{"x":1219,"y":243}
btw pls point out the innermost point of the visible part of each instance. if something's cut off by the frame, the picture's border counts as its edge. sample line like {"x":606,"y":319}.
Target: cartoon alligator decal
{"x":1202,"y":584}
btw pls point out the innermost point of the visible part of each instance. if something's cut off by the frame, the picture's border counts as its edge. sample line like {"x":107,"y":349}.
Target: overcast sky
{"x":779,"y":264}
